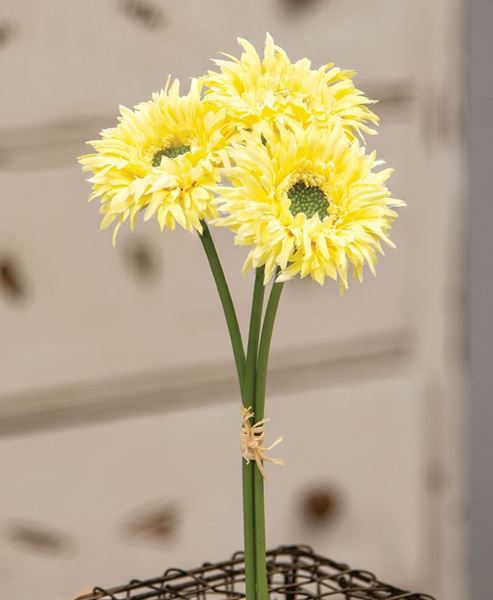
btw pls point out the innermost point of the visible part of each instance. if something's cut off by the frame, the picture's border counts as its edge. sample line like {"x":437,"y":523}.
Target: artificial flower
{"x":308,"y":202}
{"x":258,"y":91}
{"x":162,"y":158}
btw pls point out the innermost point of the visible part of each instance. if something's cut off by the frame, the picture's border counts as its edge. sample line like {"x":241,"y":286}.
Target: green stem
{"x":253,"y":339}
{"x":248,"y":402}
{"x":239,"y":356}
{"x":227,"y":303}
{"x":248,"y":529}
{"x":264,"y":349}
{"x":259,"y":408}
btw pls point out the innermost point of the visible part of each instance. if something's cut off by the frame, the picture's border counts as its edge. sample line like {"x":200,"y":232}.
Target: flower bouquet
{"x":274,"y":151}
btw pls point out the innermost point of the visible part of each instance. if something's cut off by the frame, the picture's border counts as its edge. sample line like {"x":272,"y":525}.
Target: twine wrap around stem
{"x":252,"y":441}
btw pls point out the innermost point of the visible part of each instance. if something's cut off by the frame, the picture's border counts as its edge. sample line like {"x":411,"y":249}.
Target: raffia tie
{"x":252,"y":441}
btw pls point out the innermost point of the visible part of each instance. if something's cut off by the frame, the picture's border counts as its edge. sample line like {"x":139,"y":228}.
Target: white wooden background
{"x":367,"y":389}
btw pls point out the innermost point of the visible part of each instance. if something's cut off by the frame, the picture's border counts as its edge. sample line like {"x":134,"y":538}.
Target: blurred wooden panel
{"x":85,"y":57}
{"x":93,"y":484}
{"x":89,"y":332}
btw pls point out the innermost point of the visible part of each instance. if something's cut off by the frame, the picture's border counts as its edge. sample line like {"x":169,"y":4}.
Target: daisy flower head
{"x":257,"y":91}
{"x":308,"y":202}
{"x":162,"y":158}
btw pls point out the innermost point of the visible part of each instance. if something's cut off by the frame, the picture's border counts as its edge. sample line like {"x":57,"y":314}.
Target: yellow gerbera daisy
{"x":163,"y":157}
{"x":257,"y":91}
{"x":308,"y":201}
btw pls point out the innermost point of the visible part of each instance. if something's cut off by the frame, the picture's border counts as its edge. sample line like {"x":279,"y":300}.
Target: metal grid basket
{"x":295,"y":573}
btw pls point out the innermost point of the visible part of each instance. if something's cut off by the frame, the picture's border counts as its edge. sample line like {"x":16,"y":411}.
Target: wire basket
{"x":294,"y":572}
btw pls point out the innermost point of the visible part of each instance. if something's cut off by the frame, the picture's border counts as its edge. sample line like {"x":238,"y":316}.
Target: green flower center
{"x":171,"y":152}
{"x":308,"y":199}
